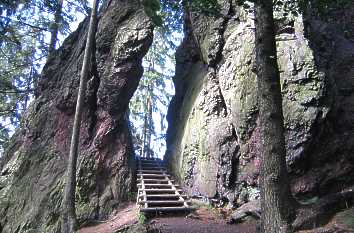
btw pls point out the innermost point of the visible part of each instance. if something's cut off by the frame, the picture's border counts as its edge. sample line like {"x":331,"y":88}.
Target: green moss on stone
{"x":346,"y":218}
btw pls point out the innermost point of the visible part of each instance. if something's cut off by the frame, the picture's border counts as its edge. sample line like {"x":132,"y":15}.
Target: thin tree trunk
{"x":149,"y":109}
{"x":276,"y":199}
{"x":55,"y":27}
{"x":149,"y":126}
{"x":68,"y":206}
{"x":28,"y":88}
{"x":144,"y":136}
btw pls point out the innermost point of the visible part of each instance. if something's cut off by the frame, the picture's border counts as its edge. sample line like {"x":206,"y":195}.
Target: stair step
{"x":157,"y":180}
{"x":154,"y":175}
{"x":150,"y":160}
{"x":166,"y":209}
{"x":164,"y":202}
{"x":149,"y":163}
{"x":156,"y":192}
{"x":163,"y":195}
{"x":154,"y":182}
{"x":151,"y":170}
{"x":159,"y":185}
{"x":161,"y":190}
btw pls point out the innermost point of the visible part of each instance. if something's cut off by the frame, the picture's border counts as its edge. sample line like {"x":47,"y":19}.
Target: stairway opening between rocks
{"x":157,"y":192}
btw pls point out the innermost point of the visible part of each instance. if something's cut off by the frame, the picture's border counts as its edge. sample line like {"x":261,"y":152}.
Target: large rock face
{"x":214,"y":137}
{"x":31,"y":178}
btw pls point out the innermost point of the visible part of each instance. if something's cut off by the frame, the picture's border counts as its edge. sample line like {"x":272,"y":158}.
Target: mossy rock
{"x":345,"y":219}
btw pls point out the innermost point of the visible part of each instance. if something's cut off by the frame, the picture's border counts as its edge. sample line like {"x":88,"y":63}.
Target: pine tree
{"x":152,"y":96}
{"x":54,"y":28}
{"x":24,"y":26}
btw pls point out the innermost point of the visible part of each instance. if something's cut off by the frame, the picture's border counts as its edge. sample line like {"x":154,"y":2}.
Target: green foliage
{"x":152,"y":8}
{"x":168,"y":14}
{"x":207,"y":7}
{"x":309,"y":201}
{"x":4,"y":136}
{"x":320,"y":7}
{"x":24,"y":36}
{"x":152,"y":96}
{"x":292,"y":8}
{"x":324,"y":7}
{"x":172,"y":11}
{"x":346,"y":218}
{"x":172,"y":15}
{"x":197,"y":204}
{"x":142,"y":218}
{"x":132,"y":196}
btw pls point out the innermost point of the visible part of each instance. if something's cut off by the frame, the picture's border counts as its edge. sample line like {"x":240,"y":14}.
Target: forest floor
{"x":124,"y":217}
{"x":203,"y":220}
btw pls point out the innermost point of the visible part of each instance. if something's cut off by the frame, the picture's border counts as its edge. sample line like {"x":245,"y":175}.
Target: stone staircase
{"x":157,"y":193}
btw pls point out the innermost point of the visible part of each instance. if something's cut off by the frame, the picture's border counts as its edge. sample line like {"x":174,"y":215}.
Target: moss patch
{"x":346,"y":219}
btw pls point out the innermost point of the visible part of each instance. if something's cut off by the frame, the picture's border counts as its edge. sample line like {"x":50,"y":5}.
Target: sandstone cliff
{"x":214,"y":148}
{"x":31,"y":178}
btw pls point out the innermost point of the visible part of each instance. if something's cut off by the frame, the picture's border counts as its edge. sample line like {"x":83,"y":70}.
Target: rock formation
{"x":213,"y":136}
{"x":31,"y":178}
{"x":214,"y":148}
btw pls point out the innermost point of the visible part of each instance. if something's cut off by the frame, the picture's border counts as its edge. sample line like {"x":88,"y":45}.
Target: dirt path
{"x":127,"y":215}
{"x":203,"y":220}
{"x":186,"y":225}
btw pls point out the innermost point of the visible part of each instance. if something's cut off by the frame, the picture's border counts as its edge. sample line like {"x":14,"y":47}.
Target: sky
{"x":73,"y":26}
{"x":159,"y":142}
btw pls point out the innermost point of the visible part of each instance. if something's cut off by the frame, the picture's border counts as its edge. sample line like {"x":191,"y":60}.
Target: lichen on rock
{"x":315,"y":58}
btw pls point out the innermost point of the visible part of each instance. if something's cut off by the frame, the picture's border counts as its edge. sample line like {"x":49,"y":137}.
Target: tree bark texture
{"x":68,"y":206}
{"x":143,"y":149}
{"x":276,"y":199}
{"x":149,"y":125}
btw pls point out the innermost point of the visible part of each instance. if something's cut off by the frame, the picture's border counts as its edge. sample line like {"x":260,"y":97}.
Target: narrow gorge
{"x":213,"y":137}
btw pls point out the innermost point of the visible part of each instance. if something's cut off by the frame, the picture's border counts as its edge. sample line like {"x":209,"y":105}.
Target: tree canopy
{"x":149,"y":105}
{"x":25,"y":30}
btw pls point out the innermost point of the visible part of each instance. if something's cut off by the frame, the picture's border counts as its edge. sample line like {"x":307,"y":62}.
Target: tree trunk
{"x":68,"y":206}
{"x":276,"y":200}
{"x":143,"y":151}
{"x":55,"y":27}
{"x":149,"y":126}
{"x":28,"y":89}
